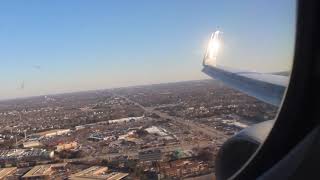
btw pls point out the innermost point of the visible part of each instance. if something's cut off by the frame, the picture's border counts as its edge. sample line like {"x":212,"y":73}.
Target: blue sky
{"x":81,"y":45}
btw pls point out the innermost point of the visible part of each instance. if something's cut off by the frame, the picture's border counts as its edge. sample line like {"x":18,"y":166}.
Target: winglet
{"x":212,"y":50}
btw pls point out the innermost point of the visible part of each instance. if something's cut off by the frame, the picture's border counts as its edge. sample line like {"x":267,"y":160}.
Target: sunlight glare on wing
{"x":213,"y":49}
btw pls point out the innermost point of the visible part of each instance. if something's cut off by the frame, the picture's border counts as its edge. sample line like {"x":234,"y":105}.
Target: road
{"x":189,"y":123}
{"x":134,"y":154}
{"x":185,"y":146}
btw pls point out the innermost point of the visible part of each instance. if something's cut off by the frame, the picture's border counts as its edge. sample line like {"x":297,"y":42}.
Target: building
{"x":80,"y":127}
{"x":43,"y":172}
{"x":32,"y":144}
{"x":152,"y":155}
{"x":126,"y":120}
{"x":98,"y":173}
{"x":96,"y":137}
{"x":12,"y":156}
{"x":210,"y":176}
{"x":183,"y":168}
{"x":66,"y":146}
{"x":17,"y":175}
{"x":54,"y":132}
{"x":5,"y":172}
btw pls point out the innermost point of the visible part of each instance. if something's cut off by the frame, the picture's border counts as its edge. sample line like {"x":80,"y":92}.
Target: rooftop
{"x":51,"y":132}
{"x":43,"y":170}
{"x":4,"y":172}
{"x":97,"y":172}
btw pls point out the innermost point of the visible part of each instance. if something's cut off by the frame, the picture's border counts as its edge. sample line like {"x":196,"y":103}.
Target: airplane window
{"x":136,"y":90}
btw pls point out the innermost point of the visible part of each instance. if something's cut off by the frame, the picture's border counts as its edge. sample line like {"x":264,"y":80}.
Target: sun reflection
{"x":213,"y":49}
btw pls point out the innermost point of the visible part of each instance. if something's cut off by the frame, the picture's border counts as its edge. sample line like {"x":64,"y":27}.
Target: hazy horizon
{"x":106,"y":89}
{"x":53,"y":47}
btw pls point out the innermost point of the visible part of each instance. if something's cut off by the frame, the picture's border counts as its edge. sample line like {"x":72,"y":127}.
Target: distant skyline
{"x":49,"y":47}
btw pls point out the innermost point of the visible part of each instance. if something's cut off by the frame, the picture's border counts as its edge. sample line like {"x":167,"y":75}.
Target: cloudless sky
{"x":62,"y":46}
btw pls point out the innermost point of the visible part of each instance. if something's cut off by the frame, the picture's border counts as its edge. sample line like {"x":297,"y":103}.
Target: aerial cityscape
{"x":139,"y":90}
{"x":160,"y":131}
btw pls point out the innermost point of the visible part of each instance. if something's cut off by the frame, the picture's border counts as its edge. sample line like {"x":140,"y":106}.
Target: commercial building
{"x":152,"y":155}
{"x":54,"y":132}
{"x":13,"y":156}
{"x":98,"y":173}
{"x":66,"y":146}
{"x":5,"y":172}
{"x":32,"y":144}
{"x":43,"y":172}
{"x":183,"y":168}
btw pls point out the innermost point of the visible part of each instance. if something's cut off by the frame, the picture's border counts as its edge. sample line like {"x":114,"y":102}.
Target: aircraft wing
{"x":266,"y":87}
